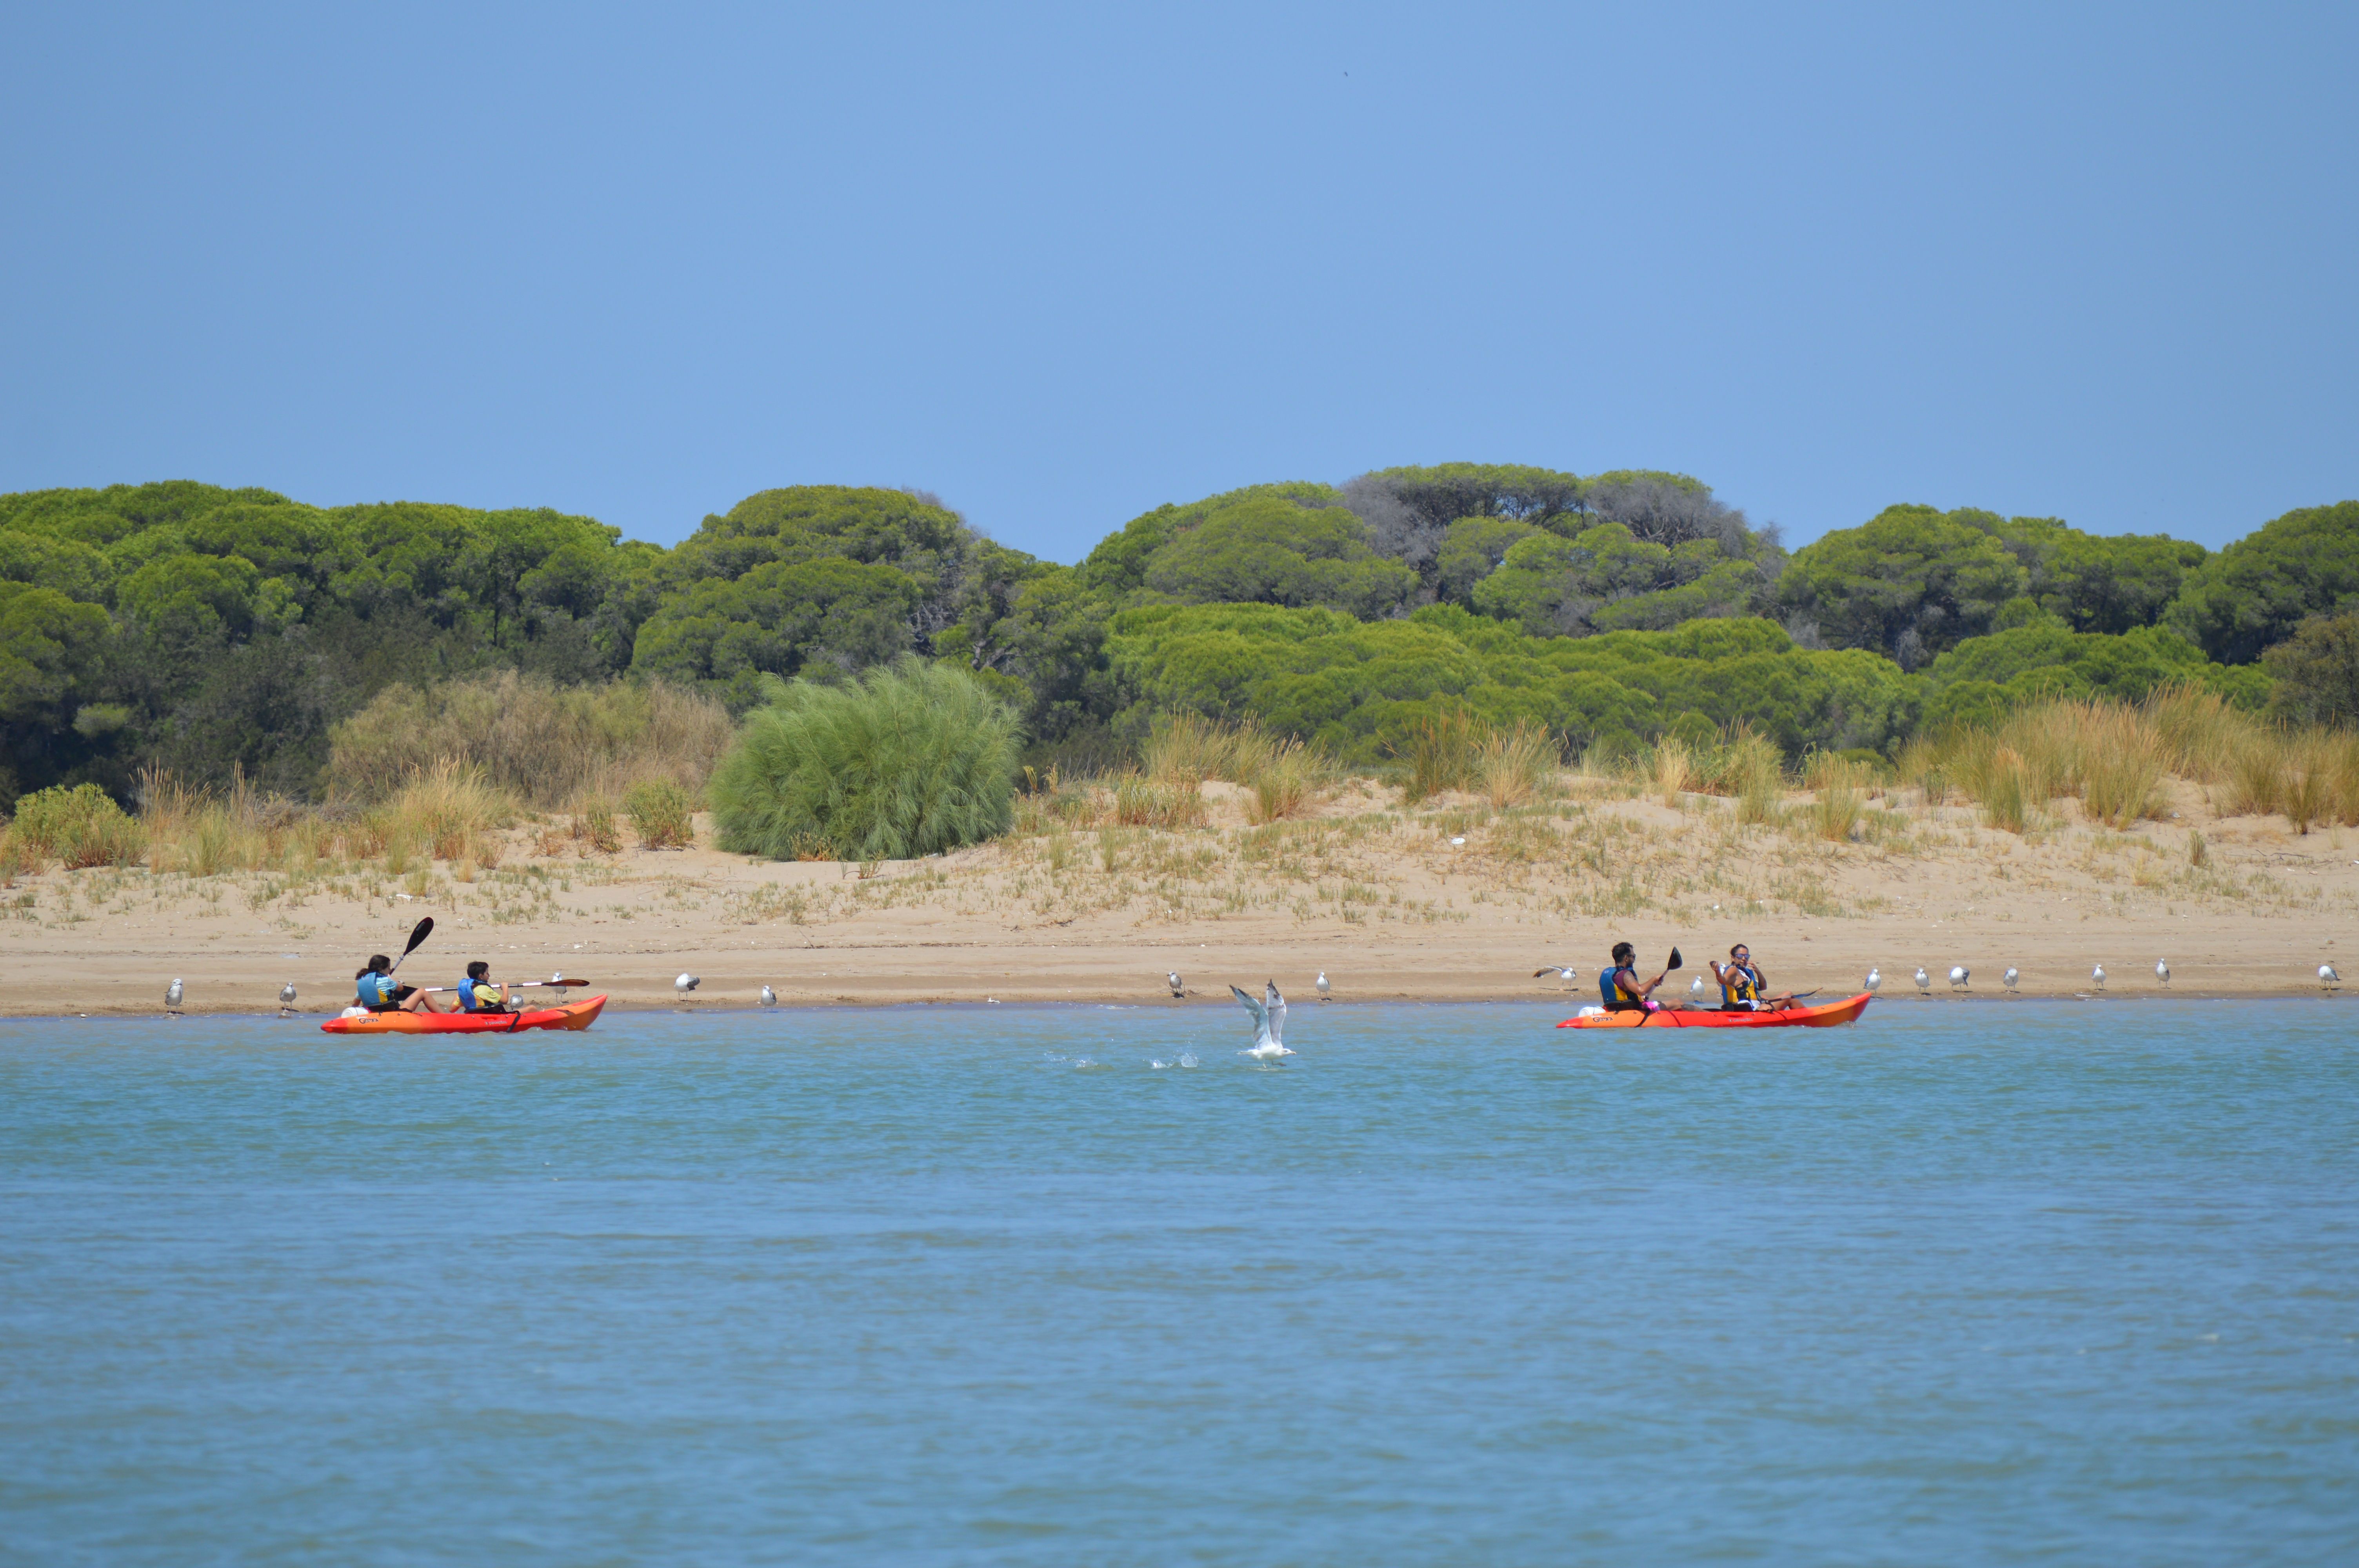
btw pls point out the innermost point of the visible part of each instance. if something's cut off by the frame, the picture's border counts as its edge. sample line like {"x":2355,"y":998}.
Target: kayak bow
{"x":572,"y":1015}
{"x":1822,"y":1017}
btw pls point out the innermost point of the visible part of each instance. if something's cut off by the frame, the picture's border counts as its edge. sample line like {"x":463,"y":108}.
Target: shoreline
{"x":1455,"y":903}
{"x":1297,"y":1007}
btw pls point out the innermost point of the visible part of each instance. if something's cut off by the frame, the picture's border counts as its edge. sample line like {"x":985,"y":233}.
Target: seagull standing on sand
{"x":2098,"y":976}
{"x":1324,"y":993}
{"x":1565,"y":973}
{"x":2326,"y":977}
{"x":1875,"y":979}
{"x":173,"y":994}
{"x":286,"y":996}
{"x":685,"y":984}
{"x":1924,"y":980}
{"x":1270,"y":1023}
{"x":1695,"y":986}
{"x":2009,"y":977}
{"x":1959,"y":975}
{"x":1172,"y":980}
{"x":770,"y":997}
{"x":2162,"y":970}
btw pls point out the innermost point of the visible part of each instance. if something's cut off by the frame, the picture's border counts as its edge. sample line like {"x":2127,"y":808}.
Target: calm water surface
{"x":1967,"y":1283}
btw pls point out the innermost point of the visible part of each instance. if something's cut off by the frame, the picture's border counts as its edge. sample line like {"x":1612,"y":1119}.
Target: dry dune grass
{"x":2115,"y":758}
{"x":544,"y":744}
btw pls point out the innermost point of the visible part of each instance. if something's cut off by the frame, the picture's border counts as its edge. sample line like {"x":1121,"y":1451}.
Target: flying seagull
{"x":172,"y":996}
{"x":1565,"y":973}
{"x":1269,"y":1022}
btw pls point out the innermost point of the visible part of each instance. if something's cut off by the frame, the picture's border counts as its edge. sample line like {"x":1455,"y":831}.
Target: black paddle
{"x":1659,"y":980}
{"x":425,"y":929}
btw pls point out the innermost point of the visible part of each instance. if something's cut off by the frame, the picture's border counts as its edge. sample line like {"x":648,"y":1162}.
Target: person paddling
{"x":379,"y":992}
{"x":1743,"y":986}
{"x":477,"y":993}
{"x":1623,"y":990}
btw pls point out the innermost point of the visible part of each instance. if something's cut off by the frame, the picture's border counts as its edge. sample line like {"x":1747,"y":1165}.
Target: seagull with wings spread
{"x":1269,"y":1022}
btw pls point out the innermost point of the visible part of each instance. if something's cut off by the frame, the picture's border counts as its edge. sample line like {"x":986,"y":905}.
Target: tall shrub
{"x":908,"y":761}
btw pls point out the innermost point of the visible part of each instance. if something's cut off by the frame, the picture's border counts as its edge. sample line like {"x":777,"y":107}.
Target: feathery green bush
{"x":908,"y":761}
{"x":81,"y":826}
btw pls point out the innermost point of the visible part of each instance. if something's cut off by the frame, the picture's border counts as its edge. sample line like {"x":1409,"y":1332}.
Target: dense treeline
{"x":208,"y":632}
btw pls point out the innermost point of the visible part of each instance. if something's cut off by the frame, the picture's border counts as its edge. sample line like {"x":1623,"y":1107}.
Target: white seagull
{"x":770,"y":997}
{"x":286,"y":996}
{"x":1565,"y":973}
{"x":1959,"y":975}
{"x":1172,"y":980}
{"x":2162,"y":970}
{"x":1875,"y":979}
{"x":2326,"y":977}
{"x":1924,"y":980}
{"x":172,"y":996}
{"x":1325,"y":994}
{"x":686,"y":983}
{"x":1695,"y":987}
{"x":2009,"y":977}
{"x":1270,"y":1023}
{"x":2098,"y":976}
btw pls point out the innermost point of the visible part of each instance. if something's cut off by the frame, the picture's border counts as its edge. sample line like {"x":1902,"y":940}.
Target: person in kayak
{"x":1623,"y":990}
{"x":477,"y":993}
{"x":379,"y":993}
{"x":1743,"y":986}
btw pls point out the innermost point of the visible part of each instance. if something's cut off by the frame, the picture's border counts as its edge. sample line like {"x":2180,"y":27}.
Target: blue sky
{"x":1062,"y":264}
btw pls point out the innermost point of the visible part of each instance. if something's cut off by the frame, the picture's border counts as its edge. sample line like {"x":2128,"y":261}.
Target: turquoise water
{"x":1966,"y":1283}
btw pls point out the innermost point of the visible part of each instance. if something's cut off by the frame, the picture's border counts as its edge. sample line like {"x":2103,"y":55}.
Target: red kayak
{"x":572,"y":1015}
{"x":1795,"y":1017}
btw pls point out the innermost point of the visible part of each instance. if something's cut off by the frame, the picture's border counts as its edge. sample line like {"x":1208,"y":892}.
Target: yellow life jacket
{"x":1623,"y":992}
{"x":1739,"y":986}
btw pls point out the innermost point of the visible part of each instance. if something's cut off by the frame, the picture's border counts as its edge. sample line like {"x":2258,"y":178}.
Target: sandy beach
{"x":1382,"y":899}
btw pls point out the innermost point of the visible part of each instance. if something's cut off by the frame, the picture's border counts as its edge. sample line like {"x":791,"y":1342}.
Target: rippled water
{"x":1967,"y":1283}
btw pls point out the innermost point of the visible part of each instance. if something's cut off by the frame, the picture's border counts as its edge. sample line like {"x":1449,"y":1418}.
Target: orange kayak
{"x":1822,"y":1017}
{"x":572,"y":1015}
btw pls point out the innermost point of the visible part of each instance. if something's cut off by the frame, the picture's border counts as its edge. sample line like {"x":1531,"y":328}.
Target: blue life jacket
{"x":1606,"y":987}
{"x":467,"y":994}
{"x":375,"y":990}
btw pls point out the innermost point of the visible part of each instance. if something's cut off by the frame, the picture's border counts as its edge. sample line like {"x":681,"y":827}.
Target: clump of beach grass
{"x":1834,"y":813}
{"x":908,"y":761}
{"x":662,"y":814}
{"x":80,"y":825}
{"x":1518,"y":764}
{"x":1438,"y":753}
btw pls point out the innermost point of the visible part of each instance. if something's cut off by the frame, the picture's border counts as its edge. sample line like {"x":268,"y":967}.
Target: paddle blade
{"x":424,"y":929}
{"x":1675,"y":959}
{"x":556,"y":982}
